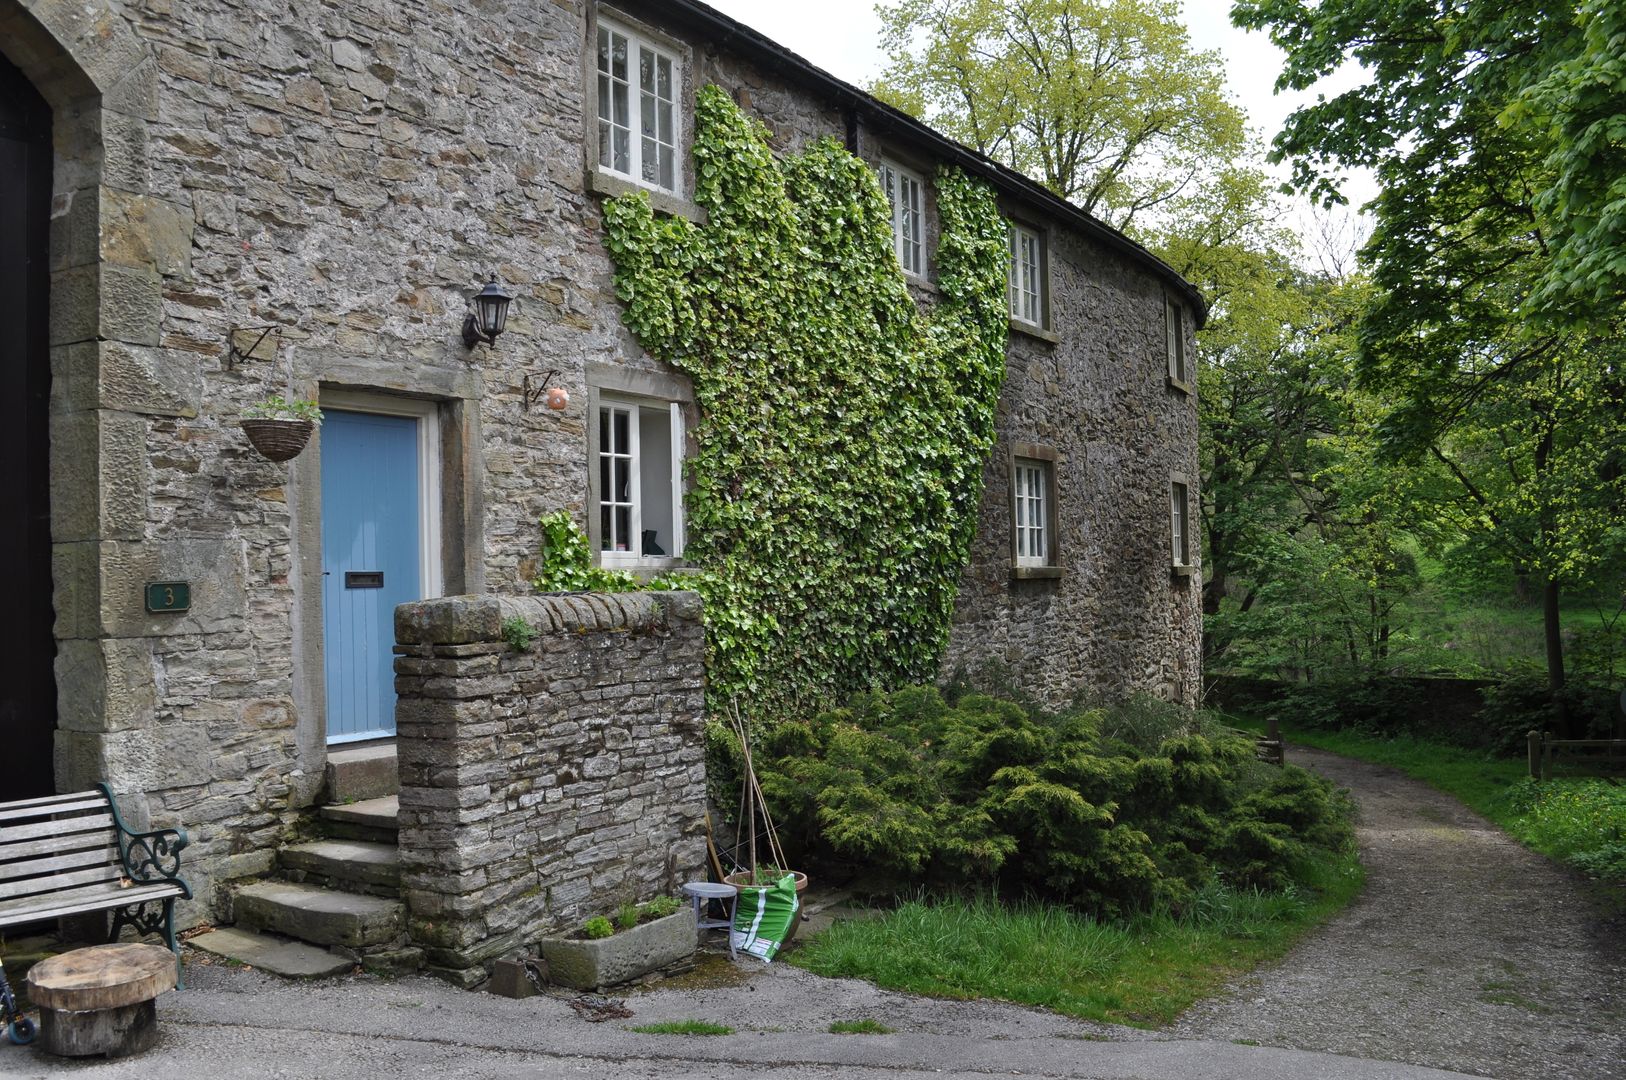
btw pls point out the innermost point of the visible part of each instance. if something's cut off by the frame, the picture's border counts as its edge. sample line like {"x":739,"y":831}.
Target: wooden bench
{"x":72,"y":854}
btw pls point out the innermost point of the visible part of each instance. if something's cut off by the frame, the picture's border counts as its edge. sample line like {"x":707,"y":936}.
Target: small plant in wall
{"x":279,"y":429}
{"x":519,"y":633}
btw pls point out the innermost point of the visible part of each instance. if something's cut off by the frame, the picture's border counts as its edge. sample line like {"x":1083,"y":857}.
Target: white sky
{"x":842,"y":37}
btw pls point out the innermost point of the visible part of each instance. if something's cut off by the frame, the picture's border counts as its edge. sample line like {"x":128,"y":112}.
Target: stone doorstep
{"x":320,"y":916}
{"x":278,"y":955}
{"x":370,"y":820}
{"x":355,"y":864}
{"x":361,"y":773}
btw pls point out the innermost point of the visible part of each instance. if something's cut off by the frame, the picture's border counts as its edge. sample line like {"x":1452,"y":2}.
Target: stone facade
{"x":346,"y":175}
{"x":545,"y":786}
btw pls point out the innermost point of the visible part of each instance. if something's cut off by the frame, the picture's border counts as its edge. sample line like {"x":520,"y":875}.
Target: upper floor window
{"x":907,"y":194}
{"x":1174,"y":324}
{"x":1027,"y":276}
{"x":638,"y":85}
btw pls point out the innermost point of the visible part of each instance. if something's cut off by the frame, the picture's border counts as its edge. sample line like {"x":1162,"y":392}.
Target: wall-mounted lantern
{"x":488,"y":314}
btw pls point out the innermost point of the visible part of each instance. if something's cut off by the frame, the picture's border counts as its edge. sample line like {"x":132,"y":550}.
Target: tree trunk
{"x":1555,"y":655}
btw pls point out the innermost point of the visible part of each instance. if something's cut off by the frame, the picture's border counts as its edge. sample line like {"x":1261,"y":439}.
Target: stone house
{"x":205,"y":204}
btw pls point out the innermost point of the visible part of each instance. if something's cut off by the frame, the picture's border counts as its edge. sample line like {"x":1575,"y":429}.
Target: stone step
{"x":361,"y":772}
{"x":320,"y":916}
{"x":370,"y":819}
{"x":278,"y":955}
{"x":354,"y":865}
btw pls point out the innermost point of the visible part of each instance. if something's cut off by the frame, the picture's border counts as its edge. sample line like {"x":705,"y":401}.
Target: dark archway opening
{"x":27,"y":682}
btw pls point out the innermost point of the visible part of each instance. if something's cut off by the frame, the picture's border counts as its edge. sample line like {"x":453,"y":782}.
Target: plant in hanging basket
{"x":280,"y":429}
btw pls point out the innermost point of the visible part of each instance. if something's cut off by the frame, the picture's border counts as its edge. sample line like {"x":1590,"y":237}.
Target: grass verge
{"x":1142,"y":971}
{"x":683,"y":1027}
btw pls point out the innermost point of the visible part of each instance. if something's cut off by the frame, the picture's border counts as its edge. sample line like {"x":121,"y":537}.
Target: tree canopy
{"x":1105,"y":102}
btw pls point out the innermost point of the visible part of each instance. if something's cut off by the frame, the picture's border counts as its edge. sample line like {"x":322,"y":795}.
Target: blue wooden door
{"x":370,"y":563}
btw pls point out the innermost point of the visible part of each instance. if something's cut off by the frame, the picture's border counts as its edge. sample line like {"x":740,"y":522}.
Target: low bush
{"x":1582,"y":822}
{"x":1113,"y":810}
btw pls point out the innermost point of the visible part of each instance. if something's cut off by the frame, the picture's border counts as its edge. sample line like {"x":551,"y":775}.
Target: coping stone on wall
{"x":465,"y":620}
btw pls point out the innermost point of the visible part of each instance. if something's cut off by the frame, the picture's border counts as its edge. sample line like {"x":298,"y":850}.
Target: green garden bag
{"x":763,"y":918}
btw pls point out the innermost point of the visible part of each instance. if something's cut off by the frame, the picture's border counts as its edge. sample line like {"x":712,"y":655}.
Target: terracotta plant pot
{"x":278,"y":440}
{"x":740,"y":880}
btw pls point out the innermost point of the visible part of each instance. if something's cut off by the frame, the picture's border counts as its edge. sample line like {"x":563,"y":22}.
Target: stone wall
{"x":542,"y":787}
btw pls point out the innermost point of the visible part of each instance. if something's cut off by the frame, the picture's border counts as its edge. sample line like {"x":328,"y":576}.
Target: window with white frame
{"x":640,"y":481}
{"x":1180,"y":523}
{"x":1027,"y":276}
{"x":638,"y":86}
{"x":1032,"y":513}
{"x":906,"y":193}
{"x":1174,"y":323}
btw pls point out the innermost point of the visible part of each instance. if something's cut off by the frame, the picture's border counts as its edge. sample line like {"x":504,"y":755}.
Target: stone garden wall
{"x":540,"y":787}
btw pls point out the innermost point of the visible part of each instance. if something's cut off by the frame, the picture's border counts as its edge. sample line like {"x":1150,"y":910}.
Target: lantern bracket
{"x":535,"y":386}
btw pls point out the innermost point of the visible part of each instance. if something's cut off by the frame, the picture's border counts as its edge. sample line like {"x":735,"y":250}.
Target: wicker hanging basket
{"x":278,"y":440}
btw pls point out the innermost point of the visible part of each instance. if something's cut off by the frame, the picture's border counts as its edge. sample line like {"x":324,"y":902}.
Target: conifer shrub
{"x":1110,"y":809}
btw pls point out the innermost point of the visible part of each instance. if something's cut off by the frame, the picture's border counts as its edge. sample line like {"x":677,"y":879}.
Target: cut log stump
{"x":99,"y":1001}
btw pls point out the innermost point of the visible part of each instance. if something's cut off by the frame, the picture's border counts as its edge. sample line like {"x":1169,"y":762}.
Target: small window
{"x":1033,"y":512}
{"x":1033,"y":539}
{"x":638,"y":85}
{"x":1027,"y":275}
{"x":905,"y":191}
{"x":1180,"y":523}
{"x":1174,"y":324}
{"x":640,"y":481}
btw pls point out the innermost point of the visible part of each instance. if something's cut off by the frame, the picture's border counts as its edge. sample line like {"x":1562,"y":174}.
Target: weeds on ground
{"x":683,"y":1027}
{"x":865,"y":1026}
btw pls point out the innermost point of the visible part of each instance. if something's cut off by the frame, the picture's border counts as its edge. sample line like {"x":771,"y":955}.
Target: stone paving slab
{"x":291,"y":959}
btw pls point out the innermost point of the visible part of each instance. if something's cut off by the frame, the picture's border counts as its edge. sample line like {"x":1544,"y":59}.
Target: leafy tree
{"x":1505,"y":392}
{"x":1103,"y":101}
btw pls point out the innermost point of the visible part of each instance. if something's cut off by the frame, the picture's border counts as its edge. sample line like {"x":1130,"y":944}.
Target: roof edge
{"x":729,"y":32}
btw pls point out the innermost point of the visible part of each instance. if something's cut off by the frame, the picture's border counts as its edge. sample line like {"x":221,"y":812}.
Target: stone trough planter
{"x":588,"y":964}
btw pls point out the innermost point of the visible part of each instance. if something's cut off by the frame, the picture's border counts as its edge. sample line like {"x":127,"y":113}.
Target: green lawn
{"x":1143,"y":971}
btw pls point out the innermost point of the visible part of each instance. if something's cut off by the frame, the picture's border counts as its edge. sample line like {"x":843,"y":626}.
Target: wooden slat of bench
{"x":13,"y":812}
{"x":75,"y":901}
{"x":55,"y":828}
{"x":52,"y":845}
{"x":55,"y":883}
{"x":103,"y":853}
{"x":47,"y":800}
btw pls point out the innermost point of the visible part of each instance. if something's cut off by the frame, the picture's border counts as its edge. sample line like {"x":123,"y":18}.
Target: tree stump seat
{"x":100,"y":1000}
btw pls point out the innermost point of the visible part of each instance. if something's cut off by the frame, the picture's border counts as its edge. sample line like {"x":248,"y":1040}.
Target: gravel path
{"x":1465,"y":952}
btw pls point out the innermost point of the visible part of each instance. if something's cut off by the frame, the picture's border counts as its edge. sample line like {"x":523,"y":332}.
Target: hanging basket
{"x":278,"y":440}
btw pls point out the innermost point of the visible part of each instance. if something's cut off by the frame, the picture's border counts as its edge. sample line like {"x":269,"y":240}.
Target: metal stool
{"x":701,"y":892}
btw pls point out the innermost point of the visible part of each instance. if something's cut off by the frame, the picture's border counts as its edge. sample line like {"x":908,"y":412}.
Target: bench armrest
{"x":149,"y":856}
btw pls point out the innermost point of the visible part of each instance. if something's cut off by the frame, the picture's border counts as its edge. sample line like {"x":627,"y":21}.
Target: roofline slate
{"x":728,"y":32}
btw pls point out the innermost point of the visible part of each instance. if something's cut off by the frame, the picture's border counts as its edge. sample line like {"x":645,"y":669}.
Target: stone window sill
{"x":663,"y":202}
{"x":1028,"y":329}
{"x":1180,"y":384}
{"x":1035,"y":573}
{"x":646,"y":568}
{"x":1182,"y":571}
{"x":915,"y":281}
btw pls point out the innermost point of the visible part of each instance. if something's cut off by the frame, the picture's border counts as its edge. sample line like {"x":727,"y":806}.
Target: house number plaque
{"x":169,"y":597}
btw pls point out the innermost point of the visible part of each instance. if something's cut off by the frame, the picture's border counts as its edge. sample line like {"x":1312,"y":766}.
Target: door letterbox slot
{"x":364,"y":579}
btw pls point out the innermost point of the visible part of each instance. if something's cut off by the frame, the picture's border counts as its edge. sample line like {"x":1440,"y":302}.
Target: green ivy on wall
{"x":843,"y":431}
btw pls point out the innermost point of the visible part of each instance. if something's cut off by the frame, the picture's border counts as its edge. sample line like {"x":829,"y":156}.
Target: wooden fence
{"x":1581,"y":755}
